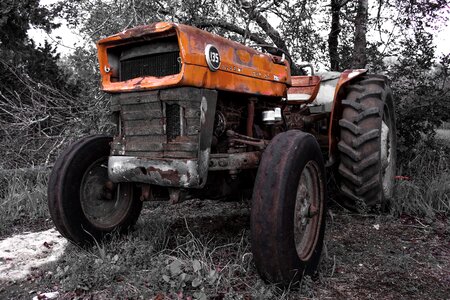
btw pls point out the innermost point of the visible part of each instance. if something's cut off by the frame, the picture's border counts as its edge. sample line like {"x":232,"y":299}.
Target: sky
{"x":66,"y":39}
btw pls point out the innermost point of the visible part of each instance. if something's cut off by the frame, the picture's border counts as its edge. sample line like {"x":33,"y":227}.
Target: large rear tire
{"x":367,"y":146}
{"x":84,"y":204}
{"x":288,"y":208}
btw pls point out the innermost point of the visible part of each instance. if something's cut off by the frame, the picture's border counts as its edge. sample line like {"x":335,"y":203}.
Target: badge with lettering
{"x":212,"y":57}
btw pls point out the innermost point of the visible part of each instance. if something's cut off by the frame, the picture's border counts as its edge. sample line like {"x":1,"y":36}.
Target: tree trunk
{"x":359,"y":50}
{"x":333,"y":36}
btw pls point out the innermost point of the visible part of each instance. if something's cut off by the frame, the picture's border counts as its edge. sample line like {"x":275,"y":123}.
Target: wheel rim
{"x":104,"y":204}
{"x":387,"y":155}
{"x":308,"y":210}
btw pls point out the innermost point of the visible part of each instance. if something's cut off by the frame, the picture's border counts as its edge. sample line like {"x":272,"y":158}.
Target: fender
{"x":346,"y":77}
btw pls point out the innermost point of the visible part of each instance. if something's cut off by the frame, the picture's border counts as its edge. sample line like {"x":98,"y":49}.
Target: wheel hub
{"x":307,"y":211}
{"x":103,"y":202}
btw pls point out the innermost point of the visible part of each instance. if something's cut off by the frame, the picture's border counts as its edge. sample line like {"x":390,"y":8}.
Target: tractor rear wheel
{"x":288,"y":208}
{"x":367,"y":145}
{"x":84,"y":204}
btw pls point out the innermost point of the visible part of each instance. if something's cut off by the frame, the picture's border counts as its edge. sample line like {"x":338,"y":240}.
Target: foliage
{"x":37,"y":120}
{"x":16,"y":18}
{"x":426,"y":191}
{"x":47,"y":101}
{"x":36,"y":100}
{"x":158,"y":261}
{"x":23,"y":199}
{"x":424,"y":98}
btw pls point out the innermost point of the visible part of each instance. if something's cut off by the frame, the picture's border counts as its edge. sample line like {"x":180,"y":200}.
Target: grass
{"x":23,"y":201}
{"x":426,"y":192}
{"x":399,"y":259}
{"x":191,"y":260}
{"x":156,"y":261}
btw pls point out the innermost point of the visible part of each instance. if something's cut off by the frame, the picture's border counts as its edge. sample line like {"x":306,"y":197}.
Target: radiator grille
{"x":173,"y":121}
{"x":161,"y":64}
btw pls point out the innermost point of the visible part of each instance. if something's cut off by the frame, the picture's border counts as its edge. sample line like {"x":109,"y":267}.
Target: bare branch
{"x":271,"y":32}
{"x":231,"y":27}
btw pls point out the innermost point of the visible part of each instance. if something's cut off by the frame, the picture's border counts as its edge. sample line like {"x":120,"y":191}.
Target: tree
{"x":333,"y":36}
{"x":240,"y":20}
{"x":360,"y":43}
{"x":32,"y":75}
{"x":36,"y":100}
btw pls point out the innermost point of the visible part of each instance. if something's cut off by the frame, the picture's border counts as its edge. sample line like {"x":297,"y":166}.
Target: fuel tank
{"x":164,"y":55}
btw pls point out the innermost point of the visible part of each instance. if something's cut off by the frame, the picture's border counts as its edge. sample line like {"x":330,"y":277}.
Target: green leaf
{"x":175,"y":267}
{"x":197,"y":265}
{"x":166,"y":278}
{"x":200,"y":296}
{"x":212,"y":276}
{"x":196,"y":282}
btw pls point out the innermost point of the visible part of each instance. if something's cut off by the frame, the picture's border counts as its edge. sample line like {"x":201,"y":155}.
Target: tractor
{"x":200,"y":116}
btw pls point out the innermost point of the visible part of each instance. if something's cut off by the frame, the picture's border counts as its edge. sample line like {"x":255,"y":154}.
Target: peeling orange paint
{"x":240,"y":65}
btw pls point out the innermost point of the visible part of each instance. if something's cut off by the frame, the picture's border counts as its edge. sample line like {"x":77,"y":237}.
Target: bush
{"x":426,"y":190}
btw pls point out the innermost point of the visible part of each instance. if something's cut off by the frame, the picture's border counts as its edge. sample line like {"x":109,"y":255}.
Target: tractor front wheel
{"x":288,"y":208}
{"x":84,"y":204}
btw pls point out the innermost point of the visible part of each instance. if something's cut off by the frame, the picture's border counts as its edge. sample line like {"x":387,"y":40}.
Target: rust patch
{"x":171,"y":175}
{"x":146,"y":192}
{"x":243,"y":57}
{"x":182,"y":139}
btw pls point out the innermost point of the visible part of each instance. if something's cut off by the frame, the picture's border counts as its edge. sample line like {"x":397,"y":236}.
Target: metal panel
{"x":151,"y":148}
{"x":242,"y":69}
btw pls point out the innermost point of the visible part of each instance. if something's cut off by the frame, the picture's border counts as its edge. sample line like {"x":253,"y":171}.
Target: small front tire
{"x":83,"y":203}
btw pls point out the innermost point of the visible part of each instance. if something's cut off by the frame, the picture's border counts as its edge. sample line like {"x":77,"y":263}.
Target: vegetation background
{"x":48,"y":100}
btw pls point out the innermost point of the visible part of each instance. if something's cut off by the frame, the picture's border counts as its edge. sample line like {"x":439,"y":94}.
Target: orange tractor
{"x":201,"y":116}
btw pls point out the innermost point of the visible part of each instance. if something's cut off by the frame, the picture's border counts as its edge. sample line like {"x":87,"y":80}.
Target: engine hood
{"x":234,"y":67}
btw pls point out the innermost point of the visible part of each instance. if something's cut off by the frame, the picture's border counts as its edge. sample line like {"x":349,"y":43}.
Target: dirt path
{"x":366,"y":257}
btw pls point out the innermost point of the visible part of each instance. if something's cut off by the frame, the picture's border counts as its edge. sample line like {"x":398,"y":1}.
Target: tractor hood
{"x":163,"y":55}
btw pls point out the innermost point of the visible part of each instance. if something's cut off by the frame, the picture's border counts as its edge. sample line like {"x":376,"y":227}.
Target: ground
{"x":202,"y":250}
{"x":365,"y":257}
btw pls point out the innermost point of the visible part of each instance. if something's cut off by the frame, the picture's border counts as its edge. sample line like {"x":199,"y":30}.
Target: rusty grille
{"x":161,"y":64}
{"x":173,"y":121}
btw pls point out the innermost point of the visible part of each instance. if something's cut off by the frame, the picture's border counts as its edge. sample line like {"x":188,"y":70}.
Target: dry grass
{"x":209,"y":256}
{"x":158,"y":260}
{"x":23,"y":201}
{"x":366,"y":257}
{"x":427,"y":191}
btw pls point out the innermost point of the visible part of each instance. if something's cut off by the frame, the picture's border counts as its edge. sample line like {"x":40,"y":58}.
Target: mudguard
{"x":324,"y":89}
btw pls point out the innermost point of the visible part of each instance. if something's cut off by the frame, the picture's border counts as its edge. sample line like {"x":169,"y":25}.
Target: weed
{"x":23,"y":200}
{"x":427,"y":190}
{"x":155,"y":260}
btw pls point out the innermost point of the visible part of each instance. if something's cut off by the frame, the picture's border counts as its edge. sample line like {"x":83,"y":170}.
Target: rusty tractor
{"x":201,"y":116}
